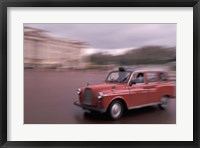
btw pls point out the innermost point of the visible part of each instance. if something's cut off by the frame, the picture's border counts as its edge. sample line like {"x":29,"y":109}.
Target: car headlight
{"x":100,"y":95}
{"x":78,"y":91}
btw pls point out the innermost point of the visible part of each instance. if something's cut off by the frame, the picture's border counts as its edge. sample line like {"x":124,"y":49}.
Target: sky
{"x":114,"y":36}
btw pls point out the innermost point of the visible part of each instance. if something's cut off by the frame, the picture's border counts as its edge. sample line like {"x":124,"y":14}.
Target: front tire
{"x":115,"y":110}
{"x":163,"y":102}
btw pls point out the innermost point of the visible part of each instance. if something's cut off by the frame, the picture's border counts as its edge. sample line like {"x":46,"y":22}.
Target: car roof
{"x":150,"y":70}
{"x":145,"y":69}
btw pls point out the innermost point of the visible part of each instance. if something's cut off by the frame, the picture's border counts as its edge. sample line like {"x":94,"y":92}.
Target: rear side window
{"x":162,"y":77}
{"x":152,"y":77}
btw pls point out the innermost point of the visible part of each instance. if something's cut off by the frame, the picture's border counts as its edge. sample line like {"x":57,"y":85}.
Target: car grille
{"x":87,"y":96}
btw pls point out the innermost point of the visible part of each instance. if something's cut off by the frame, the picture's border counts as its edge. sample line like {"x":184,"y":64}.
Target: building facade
{"x":42,"y":50}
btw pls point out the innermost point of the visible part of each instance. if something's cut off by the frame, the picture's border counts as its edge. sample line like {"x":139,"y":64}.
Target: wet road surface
{"x":49,"y":97}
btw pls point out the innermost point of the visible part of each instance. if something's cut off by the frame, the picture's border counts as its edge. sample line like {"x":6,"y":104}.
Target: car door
{"x":152,"y":87}
{"x":138,"y":95}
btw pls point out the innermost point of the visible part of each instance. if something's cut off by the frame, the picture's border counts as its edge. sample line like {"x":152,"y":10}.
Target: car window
{"x":152,"y":77}
{"x":162,"y":77}
{"x":139,"y":78}
{"x":118,"y":76}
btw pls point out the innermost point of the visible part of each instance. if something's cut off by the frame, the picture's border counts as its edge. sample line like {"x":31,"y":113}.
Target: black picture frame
{"x":99,"y":3}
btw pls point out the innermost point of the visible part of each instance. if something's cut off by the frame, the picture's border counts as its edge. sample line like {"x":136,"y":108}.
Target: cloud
{"x":89,"y":51}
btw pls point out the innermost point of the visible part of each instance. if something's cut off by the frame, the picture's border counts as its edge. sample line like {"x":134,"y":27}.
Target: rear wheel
{"x":164,"y":102}
{"x":115,"y":110}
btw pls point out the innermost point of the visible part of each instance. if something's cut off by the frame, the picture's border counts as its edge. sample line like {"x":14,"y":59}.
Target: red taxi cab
{"x":127,"y":89}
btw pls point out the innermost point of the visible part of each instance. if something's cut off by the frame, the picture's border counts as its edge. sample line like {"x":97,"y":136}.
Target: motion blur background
{"x":59,"y":58}
{"x":97,"y":46}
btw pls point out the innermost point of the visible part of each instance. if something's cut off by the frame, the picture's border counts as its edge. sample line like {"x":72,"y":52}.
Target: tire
{"x":163,"y":102}
{"x":115,"y":110}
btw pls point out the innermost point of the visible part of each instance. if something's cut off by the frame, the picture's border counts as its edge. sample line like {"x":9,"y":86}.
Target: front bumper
{"x":89,"y":107}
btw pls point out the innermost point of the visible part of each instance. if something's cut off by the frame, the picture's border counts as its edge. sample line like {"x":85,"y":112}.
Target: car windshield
{"x":118,"y":76}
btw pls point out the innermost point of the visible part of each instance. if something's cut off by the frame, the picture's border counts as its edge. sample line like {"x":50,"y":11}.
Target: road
{"x":49,"y":97}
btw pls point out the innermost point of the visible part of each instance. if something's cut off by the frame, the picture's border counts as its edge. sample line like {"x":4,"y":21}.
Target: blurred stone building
{"x":42,"y":50}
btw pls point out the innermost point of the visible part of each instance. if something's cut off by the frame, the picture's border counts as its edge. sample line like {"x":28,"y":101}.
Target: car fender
{"x":112,"y":98}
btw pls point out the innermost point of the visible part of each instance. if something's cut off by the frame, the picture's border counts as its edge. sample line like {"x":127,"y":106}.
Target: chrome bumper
{"x":89,"y":107}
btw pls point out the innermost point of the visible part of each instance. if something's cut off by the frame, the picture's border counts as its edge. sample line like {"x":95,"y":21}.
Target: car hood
{"x":106,"y":86}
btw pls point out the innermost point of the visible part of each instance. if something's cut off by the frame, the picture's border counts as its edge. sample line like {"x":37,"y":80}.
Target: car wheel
{"x":116,"y":110}
{"x":163,"y":102}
